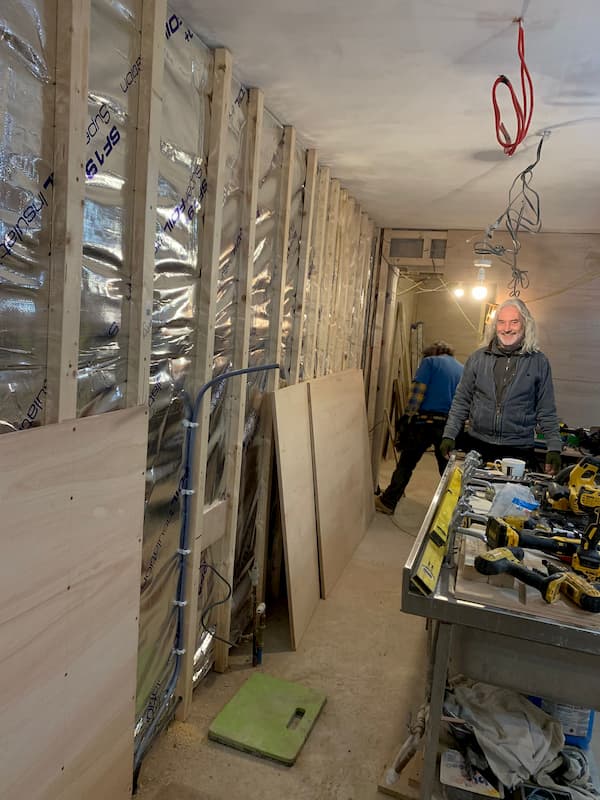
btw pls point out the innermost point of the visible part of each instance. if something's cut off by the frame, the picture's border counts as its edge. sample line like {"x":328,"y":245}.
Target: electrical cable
{"x":521,"y":214}
{"x":400,"y":528}
{"x":523,"y":110}
{"x":458,"y":305}
{"x":210,"y":606}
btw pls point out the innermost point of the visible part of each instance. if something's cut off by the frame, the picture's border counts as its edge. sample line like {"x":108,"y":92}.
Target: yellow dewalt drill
{"x":579,"y":590}
{"x":505,"y":559}
{"x":577,"y":488}
{"x":586,"y":558}
{"x":499,"y":533}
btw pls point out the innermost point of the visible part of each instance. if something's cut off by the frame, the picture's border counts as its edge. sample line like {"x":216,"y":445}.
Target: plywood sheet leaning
{"x":72,"y":499}
{"x":297,"y":502}
{"x":341,"y":453}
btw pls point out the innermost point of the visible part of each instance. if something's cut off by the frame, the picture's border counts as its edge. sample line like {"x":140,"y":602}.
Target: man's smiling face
{"x":510,"y":329}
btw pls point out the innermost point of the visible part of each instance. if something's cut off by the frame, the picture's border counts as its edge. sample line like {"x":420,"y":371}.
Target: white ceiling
{"x":396,"y":97}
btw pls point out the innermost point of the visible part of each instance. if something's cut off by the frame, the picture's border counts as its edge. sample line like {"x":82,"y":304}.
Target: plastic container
{"x":577,"y":723}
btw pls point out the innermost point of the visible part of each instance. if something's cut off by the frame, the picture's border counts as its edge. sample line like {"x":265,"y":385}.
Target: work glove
{"x":553,"y":462}
{"x":446,"y":446}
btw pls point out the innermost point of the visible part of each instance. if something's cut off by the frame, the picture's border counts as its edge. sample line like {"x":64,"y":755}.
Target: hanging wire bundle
{"x":523,"y":108}
{"x":521,"y":214}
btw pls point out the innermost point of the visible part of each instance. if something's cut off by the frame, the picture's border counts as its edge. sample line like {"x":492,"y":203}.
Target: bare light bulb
{"x":458,"y":291}
{"x":479,"y":292}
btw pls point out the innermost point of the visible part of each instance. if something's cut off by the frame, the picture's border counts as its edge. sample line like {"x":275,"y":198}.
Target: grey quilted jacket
{"x":528,"y":401}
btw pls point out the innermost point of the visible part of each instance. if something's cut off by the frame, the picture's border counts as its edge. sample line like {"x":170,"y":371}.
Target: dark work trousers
{"x":491,"y":452}
{"x":422,"y":432}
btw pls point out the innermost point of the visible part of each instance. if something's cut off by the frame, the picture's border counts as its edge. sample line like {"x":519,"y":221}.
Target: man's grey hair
{"x":530,"y":343}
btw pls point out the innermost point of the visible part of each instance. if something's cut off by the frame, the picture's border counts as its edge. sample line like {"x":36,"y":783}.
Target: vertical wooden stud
{"x":318,"y":249}
{"x":273,"y":354}
{"x":339,"y":277}
{"x":333,"y":206}
{"x":379,"y":314}
{"x":357,"y":323}
{"x":209,"y":261}
{"x":68,"y":189}
{"x":154,"y":13}
{"x":305,"y":254}
{"x":235,"y":409}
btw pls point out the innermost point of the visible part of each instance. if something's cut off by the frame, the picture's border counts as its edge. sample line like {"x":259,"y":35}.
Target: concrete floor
{"x":360,"y":649}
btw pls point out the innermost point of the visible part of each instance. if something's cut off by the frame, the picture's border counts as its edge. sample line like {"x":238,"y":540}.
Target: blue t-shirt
{"x":441,"y":375}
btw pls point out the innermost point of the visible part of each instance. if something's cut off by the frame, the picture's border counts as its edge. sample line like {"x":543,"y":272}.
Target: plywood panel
{"x":297,"y":502}
{"x":72,"y":498}
{"x":342,"y":473}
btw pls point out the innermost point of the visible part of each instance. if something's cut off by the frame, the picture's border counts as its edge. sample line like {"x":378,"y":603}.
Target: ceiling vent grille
{"x":419,"y":251}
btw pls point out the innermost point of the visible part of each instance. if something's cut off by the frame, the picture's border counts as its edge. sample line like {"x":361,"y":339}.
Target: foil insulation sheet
{"x":292,"y":273}
{"x":114,"y":69}
{"x":229,"y":266}
{"x":211,"y":589}
{"x":182,"y":186}
{"x":27,"y":93}
{"x":271,"y":163}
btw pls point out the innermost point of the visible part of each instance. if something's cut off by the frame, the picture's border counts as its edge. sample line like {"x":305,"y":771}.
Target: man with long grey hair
{"x":505,"y":392}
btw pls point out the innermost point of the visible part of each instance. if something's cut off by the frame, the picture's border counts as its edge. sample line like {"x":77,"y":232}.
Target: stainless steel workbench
{"x":514,"y":649}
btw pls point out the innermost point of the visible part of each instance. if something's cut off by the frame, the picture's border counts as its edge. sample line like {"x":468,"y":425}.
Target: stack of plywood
{"x":323,"y":460}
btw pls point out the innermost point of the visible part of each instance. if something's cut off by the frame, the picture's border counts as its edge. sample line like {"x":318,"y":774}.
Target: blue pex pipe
{"x":190,"y":439}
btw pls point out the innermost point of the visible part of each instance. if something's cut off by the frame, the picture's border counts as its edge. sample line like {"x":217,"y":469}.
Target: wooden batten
{"x":209,"y":261}
{"x":333,"y":207}
{"x":310,"y":191}
{"x":372,"y":256}
{"x":318,"y":249}
{"x":391,"y":346}
{"x":353,"y":278}
{"x":379,"y":316}
{"x":273,"y":354}
{"x":338,"y":281}
{"x":357,"y":321}
{"x":139,"y":311}
{"x":235,"y":409}
{"x":68,"y":193}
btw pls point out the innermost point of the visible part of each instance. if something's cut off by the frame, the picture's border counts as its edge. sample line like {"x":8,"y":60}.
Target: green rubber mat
{"x":268,"y":717}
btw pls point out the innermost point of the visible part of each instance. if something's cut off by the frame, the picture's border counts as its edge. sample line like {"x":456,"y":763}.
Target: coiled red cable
{"x":523,"y":111}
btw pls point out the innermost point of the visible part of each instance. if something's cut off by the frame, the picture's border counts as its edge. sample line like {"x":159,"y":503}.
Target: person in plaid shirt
{"x":431,"y":396}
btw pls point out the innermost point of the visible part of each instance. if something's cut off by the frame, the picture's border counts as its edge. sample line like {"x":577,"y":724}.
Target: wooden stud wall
{"x":327,"y":328}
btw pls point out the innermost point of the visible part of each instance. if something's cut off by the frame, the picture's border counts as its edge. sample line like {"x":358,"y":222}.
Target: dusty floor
{"x":359,"y":649}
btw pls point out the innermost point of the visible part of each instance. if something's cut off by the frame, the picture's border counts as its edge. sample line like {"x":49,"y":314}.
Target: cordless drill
{"x":500,"y":534}
{"x":586,"y":558}
{"x":505,"y":559}
{"x":580,"y":591}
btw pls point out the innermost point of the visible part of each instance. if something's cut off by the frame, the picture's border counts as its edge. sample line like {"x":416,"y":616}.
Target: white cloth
{"x":518,"y":739}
